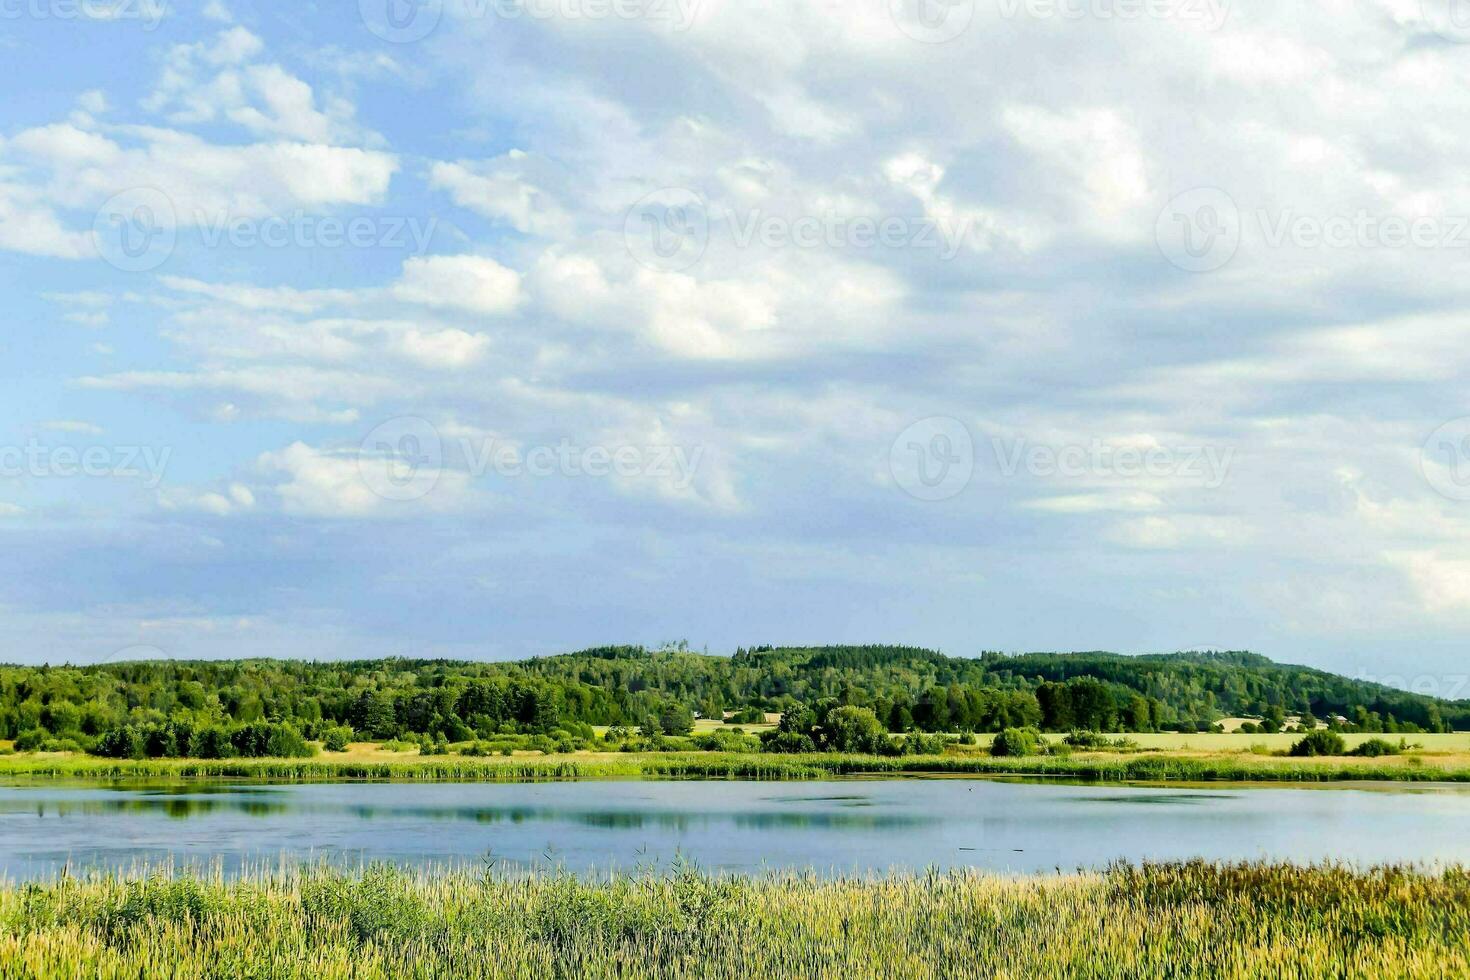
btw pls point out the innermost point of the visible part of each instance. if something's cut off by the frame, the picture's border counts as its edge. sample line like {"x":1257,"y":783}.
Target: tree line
{"x":245,"y":707}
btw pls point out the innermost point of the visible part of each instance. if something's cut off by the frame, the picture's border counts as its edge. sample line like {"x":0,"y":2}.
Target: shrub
{"x":335,"y":739}
{"x":1375,"y":747}
{"x":120,"y":743}
{"x":728,"y":741}
{"x":1085,"y":740}
{"x":1320,"y":743}
{"x":1097,"y":742}
{"x":211,"y":743}
{"x":1016,"y":742}
{"x":779,"y":741}
{"x":921,"y":744}
{"x":30,"y":741}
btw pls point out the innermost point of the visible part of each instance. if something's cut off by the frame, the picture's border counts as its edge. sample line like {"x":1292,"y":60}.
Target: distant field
{"x":705,"y":725}
{"x":1209,"y":742}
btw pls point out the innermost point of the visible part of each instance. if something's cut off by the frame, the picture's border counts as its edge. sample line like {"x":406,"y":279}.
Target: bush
{"x":1097,"y":742}
{"x":211,"y":743}
{"x":728,"y":741}
{"x":120,"y":743}
{"x":1017,"y":742}
{"x":30,"y":741}
{"x":61,"y":745}
{"x":779,"y":741}
{"x":1375,"y":747}
{"x":1085,"y":740}
{"x":921,"y":744}
{"x":179,"y":739}
{"x":336,"y":739}
{"x":1320,"y":743}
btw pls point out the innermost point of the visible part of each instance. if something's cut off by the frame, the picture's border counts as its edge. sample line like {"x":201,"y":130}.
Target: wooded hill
{"x":909,"y":689}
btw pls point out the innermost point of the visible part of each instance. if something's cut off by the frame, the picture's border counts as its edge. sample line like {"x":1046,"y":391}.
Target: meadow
{"x":1186,"y":920}
{"x":1227,"y":757}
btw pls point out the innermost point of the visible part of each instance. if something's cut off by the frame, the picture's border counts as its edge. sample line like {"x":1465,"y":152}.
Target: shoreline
{"x":1146,"y":768}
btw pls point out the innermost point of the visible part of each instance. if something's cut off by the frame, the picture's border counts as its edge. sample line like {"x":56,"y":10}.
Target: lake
{"x":835,"y":826}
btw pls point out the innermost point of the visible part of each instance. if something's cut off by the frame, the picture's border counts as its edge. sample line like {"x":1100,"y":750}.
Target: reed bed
{"x":1181,"y":920}
{"x":1102,"y":767}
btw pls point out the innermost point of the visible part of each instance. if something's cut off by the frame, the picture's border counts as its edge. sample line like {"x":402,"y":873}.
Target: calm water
{"x":849,"y":825}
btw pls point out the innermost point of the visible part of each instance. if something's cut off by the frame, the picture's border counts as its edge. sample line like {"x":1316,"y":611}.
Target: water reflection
{"x":181,"y":807}
{"x":839,"y":825}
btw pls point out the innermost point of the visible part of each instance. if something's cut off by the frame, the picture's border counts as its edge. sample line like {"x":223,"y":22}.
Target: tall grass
{"x":718,"y":765}
{"x":1189,"y":920}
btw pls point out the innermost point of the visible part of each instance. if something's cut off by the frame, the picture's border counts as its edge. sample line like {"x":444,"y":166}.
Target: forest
{"x":224,"y":709}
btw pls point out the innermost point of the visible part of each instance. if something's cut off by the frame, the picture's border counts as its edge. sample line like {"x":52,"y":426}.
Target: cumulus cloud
{"x":466,"y":282}
{"x":1052,"y":314}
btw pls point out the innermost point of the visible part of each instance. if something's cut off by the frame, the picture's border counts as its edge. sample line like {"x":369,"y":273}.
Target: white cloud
{"x":70,"y":426}
{"x":27,"y":225}
{"x":472,"y":283}
{"x":69,"y":168}
{"x":1095,"y":157}
{"x":1176,"y":531}
{"x":1093,"y":503}
{"x":277,"y":298}
{"x":501,"y":189}
{"x":1441,"y":582}
{"x":263,"y":98}
{"x":235,"y":499}
{"x":342,"y":485}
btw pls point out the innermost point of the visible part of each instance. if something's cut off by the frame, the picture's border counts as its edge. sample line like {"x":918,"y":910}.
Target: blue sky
{"x":484,"y":329}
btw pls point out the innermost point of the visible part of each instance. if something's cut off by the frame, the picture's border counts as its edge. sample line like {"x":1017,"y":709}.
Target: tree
{"x":675,"y":719}
{"x":374,"y":715}
{"x":121,"y":743}
{"x":849,"y":729}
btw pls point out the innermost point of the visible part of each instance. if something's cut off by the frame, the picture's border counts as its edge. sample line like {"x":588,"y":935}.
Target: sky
{"x":492,"y":328}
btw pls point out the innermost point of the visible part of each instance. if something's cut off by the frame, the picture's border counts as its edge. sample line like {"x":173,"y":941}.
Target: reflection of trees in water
{"x":175,"y":805}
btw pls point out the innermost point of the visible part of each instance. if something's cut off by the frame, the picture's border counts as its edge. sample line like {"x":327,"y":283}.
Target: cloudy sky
{"x":487,"y":328}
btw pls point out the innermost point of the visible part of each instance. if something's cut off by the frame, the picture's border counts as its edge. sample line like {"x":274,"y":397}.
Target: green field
{"x":1238,"y":764}
{"x":1158,"y":921}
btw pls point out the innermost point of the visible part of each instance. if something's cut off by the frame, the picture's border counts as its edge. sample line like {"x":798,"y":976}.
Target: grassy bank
{"x":1158,"y":921}
{"x":1102,"y":766}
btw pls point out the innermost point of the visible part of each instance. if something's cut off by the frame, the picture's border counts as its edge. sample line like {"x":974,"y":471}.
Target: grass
{"x":1189,"y":920}
{"x":1238,"y":765}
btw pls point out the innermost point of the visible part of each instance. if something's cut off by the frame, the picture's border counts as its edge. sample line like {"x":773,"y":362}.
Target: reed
{"x":1142,"y":767}
{"x":1183,"y":920}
